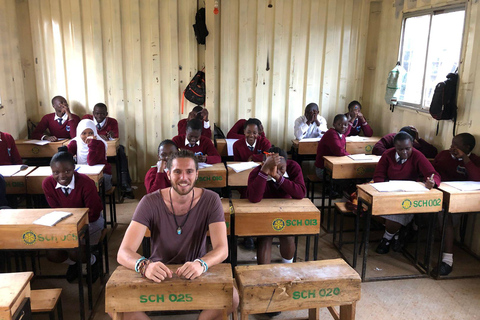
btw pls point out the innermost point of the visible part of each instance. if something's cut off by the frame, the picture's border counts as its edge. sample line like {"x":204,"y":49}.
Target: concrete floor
{"x":400,"y":299}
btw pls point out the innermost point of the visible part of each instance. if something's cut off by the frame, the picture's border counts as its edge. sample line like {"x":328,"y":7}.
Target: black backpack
{"x":444,"y":100}
{"x":195,"y":90}
{"x":200,"y":26}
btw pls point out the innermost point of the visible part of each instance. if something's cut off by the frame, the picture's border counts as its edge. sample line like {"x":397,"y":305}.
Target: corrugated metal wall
{"x":137,"y":57}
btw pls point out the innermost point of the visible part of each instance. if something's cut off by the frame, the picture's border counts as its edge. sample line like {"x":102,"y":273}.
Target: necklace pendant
{"x":179,"y":230}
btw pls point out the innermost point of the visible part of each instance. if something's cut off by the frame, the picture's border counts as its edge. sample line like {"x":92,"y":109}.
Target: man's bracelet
{"x":203,"y":263}
{"x":138,"y":263}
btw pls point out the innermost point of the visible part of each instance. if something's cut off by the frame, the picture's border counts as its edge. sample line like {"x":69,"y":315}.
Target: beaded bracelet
{"x":203,"y":263}
{"x":138,"y":262}
{"x":143,"y":267}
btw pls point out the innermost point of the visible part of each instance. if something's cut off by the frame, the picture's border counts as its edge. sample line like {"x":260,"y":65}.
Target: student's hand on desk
{"x":51,"y":138}
{"x":429,"y":183}
{"x":157,"y":271}
{"x":190,"y":270}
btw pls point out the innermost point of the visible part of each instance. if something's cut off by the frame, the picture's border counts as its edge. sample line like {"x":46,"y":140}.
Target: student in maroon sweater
{"x":61,"y":124}
{"x":333,"y":143}
{"x":421,"y":145}
{"x":403,"y":162}
{"x":456,"y":164}
{"x":8,"y":150}
{"x":156,"y":178}
{"x":199,"y":113}
{"x":276,"y":178}
{"x":91,"y":149}
{"x":237,"y":131}
{"x":252,"y":145}
{"x":195,"y":142}
{"x":66,"y":188}
{"x":357,"y":121}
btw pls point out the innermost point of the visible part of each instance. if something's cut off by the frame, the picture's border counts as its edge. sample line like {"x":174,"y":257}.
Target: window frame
{"x":430,"y":11}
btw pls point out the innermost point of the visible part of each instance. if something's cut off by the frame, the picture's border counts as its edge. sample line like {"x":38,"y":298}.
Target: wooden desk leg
{"x":224,"y":314}
{"x":314,"y":314}
{"x":117,"y":315}
{"x":243,"y":316}
{"x":347,"y":312}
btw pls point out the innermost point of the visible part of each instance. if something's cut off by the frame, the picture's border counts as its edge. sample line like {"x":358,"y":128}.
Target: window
{"x":430,"y":48}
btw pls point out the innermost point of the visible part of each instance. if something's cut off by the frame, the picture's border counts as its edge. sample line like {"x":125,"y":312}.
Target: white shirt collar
{"x":285,"y":175}
{"x":71,"y":185}
{"x":64,"y":117}
{"x":339,"y":134}
{"x":254,"y":144}
{"x":101,"y":123}
{"x":397,"y":157}
{"x":188,"y":143}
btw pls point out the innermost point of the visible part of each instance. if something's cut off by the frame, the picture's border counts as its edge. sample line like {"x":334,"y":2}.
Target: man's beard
{"x":180,"y":192}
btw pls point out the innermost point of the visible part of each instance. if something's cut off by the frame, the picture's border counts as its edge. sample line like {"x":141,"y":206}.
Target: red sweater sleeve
{"x":236,"y":132}
{"x":48,"y":186}
{"x":211,"y":152}
{"x":72,"y":147}
{"x":381,"y":146}
{"x":155,"y":180}
{"x":367,"y":130}
{"x":257,"y":182}
{"x":207,"y":132}
{"x":427,"y":169}
{"x":114,"y":127}
{"x":427,"y":149}
{"x":295,"y":185}
{"x":92,"y":200}
{"x":473,"y":170}
{"x":40,"y":128}
{"x":182,"y":126}
{"x":264,"y":145}
{"x":96,"y":153}
{"x":380,"y":174}
{"x":337,"y":146}
{"x":236,"y":150}
{"x":14,"y":154}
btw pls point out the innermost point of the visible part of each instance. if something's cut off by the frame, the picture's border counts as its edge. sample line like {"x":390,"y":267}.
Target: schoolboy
{"x":333,"y":143}
{"x":199,"y":113}
{"x":8,"y":150}
{"x":157,"y":178}
{"x":357,"y":121}
{"x":456,"y":164}
{"x":310,"y":125}
{"x":386,"y":142}
{"x":403,"y":162}
{"x":195,"y":142}
{"x":237,"y":131}
{"x":252,"y":146}
{"x":62,"y":124}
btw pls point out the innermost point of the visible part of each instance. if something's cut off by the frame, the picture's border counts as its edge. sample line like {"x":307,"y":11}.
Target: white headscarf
{"x":82,"y":147}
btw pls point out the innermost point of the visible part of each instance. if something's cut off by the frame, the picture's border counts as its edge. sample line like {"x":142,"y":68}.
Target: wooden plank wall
{"x":137,"y":56}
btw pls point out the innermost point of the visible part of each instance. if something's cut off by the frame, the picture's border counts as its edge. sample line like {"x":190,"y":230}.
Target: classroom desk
{"x":238,"y":179}
{"x":18,"y":232}
{"x":388,"y":203}
{"x":127,"y":291}
{"x":16,"y":183}
{"x":353,"y":147}
{"x":112,"y":147}
{"x":212,"y":177}
{"x":274,"y":217}
{"x":30,"y":150}
{"x":15,"y":296}
{"x":221,"y":145}
{"x":456,"y":201}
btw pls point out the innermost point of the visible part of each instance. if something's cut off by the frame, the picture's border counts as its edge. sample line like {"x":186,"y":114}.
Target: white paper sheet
{"x":202,"y":165}
{"x":310,"y":140}
{"x":464,"y":185}
{"x":364,"y":157}
{"x":356,"y":139}
{"x":38,"y":142}
{"x":85,"y":169}
{"x":230,"y":143}
{"x":242,"y":166}
{"x":8,"y":171}
{"x":52,"y":218}
{"x":399,"y":186}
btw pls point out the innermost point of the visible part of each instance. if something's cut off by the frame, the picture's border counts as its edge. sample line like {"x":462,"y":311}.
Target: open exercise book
{"x":10,"y":170}
{"x":309,"y":140}
{"x":399,"y":186}
{"x":464,"y":185}
{"x":356,"y":138}
{"x":364,"y":157}
{"x":52,"y":218}
{"x":242,"y":166}
{"x":86,"y":169}
{"x":230,"y":143}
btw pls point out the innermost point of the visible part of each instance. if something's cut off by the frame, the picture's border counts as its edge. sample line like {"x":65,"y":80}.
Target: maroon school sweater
{"x":456,"y":170}
{"x":83,"y":196}
{"x":415,"y":168}
{"x":156,"y":180}
{"x":68,"y":129}
{"x":358,"y":126}
{"x":241,"y":152}
{"x":236,"y":132}
{"x":182,"y":129}
{"x":206,"y":147}
{"x":96,"y":154}
{"x":110,"y":125}
{"x":8,"y":150}
{"x":292,"y":187}
{"x":386,"y":143}
{"x":330,"y":145}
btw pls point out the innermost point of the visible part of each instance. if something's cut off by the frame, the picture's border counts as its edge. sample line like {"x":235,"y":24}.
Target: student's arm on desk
{"x":381,"y":170}
{"x":367,"y":130}
{"x":427,"y":169}
{"x":96,"y":152}
{"x":212,"y":153}
{"x":127,"y":253}
{"x":295,"y":186}
{"x":256,"y":185}
{"x":40,"y":128}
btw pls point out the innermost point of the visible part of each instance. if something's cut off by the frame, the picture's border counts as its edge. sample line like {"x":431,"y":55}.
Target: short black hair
{"x":195,"y":124}
{"x":280,"y":151}
{"x":338,"y":117}
{"x":182,"y":154}
{"x":100,"y":105}
{"x":353,"y":104}
{"x":197,"y":109}
{"x":57,"y":97}
{"x":254,"y":121}
{"x":165,"y":143}
{"x":62,"y":156}
{"x":402,"y":136}
{"x":467,"y":140}
{"x":408,"y":130}
{"x":311,"y":105}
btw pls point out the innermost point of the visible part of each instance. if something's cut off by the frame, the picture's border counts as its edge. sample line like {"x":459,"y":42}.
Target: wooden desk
{"x":353,"y":147}
{"x":346,"y":168}
{"x":239,"y":179}
{"x":212,"y":177}
{"x":112,"y":147}
{"x":18,"y":232}
{"x":221,"y":145}
{"x":127,"y":291}
{"x":391,"y":203}
{"x":30,"y":150}
{"x":35,"y":178}
{"x":16,"y":183}
{"x":15,"y":295}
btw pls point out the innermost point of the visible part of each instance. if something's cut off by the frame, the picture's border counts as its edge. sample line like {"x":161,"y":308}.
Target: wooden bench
{"x":303,"y":285}
{"x":46,"y":301}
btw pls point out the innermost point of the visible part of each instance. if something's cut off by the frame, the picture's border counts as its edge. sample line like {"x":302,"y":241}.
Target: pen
{"x":431,"y":178}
